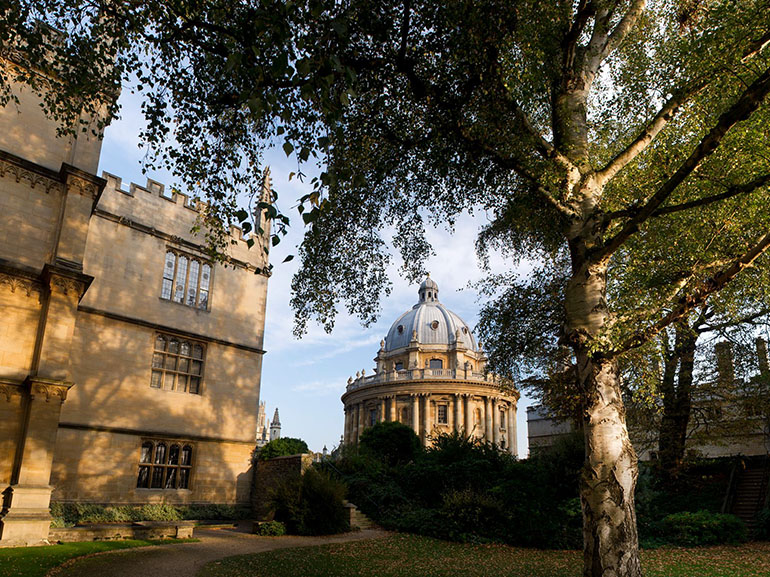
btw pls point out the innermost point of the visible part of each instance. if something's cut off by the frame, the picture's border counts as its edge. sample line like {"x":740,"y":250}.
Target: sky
{"x":305,"y":378}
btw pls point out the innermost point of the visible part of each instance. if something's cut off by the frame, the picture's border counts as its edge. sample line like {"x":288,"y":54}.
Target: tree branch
{"x":706,"y":328}
{"x":747,"y":103}
{"x":731,"y":191}
{"x":643,"y":140}
{"x":625,"y":25}
{"x":709,"y":286}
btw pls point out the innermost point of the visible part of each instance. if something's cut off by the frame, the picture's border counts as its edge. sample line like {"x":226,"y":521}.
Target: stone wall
{"x":121,"y":531}
{"x":271,"y":474}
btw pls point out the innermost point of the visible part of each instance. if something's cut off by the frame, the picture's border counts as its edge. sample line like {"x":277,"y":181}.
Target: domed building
{"x":431,"y":376}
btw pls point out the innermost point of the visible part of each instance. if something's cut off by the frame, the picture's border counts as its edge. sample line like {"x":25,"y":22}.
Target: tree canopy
{"x":623,"y":143}
{"x":282,"y":447}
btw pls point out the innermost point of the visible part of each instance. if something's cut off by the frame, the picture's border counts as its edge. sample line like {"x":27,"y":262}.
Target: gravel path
{"x":186,"y":559}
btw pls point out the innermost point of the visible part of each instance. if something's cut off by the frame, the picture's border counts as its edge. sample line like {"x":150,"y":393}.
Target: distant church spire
{"x":275,"y":427}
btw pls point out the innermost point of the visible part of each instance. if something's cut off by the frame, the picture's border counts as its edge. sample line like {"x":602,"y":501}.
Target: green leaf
{"x":288,"y":148}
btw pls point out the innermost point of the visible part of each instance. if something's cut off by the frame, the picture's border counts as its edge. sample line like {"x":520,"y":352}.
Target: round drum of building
{"x":431,"y":376}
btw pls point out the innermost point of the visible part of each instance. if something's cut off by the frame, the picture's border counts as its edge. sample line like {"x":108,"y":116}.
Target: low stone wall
{"x":269,"y":475}
{"x":121,"y":531}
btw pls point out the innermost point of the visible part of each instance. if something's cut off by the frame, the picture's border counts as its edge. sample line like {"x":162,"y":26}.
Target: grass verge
{"x":37,"y":561}
{"x":414,"y":556}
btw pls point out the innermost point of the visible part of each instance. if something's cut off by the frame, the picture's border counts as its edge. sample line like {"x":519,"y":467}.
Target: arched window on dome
{"x":436,"y":364}
{"x":399,"y":366}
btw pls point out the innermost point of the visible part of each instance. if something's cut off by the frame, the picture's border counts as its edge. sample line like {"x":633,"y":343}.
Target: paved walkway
{"x":186,"y":559}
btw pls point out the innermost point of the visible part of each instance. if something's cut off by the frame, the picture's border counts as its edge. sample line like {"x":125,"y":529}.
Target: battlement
{"x":173,"y":212}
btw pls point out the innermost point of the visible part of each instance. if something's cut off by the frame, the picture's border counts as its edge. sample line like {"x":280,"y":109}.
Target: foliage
{"x":467,"y":490}
{"x":702,"y":528}
{"x":413,"y":556}
{"x":38,"y":561}
{"x":762,"y":529}
{"x":391,"y":442}
{"x":70,"y":514}
{"x":282,"y":447}
{"x":271,"y":529}
{"x":698,"y":486}
{"x":312,"y":505}
{"x":624,"y":143}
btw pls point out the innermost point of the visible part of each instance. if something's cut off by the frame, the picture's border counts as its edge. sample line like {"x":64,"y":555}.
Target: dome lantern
{"x":428,"y":290}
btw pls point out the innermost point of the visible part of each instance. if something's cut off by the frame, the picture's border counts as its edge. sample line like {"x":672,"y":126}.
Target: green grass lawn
{"x":37,"y":561}
{"x":413,"y":556}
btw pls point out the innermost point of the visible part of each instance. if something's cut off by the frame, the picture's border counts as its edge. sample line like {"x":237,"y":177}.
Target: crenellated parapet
{"x":164,"y":211}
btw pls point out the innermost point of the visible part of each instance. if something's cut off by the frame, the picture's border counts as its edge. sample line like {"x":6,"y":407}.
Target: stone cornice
{"x":66,"y":280}
{"x":83,"y":183}
{"x":168,"y":329}
{"x":34,"y":174}
{"x":49,"y":388}
{"x":429,"y":387}
{"x":9,"y":389}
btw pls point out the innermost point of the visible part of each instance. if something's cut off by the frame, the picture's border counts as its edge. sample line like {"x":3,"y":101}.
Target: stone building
{"x":129,"y":361}
{"x":430,"y":375}
{"x":729,"y":417}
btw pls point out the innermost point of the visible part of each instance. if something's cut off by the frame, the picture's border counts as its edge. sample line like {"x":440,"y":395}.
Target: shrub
{"x":271,"y":529}
{"x":159,"y":512}
{"x":281,"y":448}
{"x":702,"y":528}
{"x":312,"y":505}
{"x":390,"y":442}
{"x":762,"y":530}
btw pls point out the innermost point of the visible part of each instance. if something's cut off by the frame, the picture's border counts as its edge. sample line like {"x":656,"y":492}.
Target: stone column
{"x":416,"y":414}
{"x":512,"y":439}
{"x":345,"y":435}
{"x":467,"y":419}
{"x":360,"y":421}
{"x":393,"y":411}
{"x":496,"y":424}
{"x":25,"y":518}
{"x":457,"y":413}
{"x":426,"y":419}
{"x":381,"y":416}
{"x":488,"y":419}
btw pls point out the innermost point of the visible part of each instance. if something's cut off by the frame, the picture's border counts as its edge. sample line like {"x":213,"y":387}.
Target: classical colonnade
{"x":490,"y":417}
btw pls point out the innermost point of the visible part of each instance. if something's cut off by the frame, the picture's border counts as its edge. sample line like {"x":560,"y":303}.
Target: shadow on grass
{"x":37,"y":561}
{"x":413,"y":556}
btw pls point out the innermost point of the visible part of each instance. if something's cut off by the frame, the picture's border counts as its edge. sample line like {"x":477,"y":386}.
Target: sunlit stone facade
{"x":431,"y":376}
{"x":129,"y":361}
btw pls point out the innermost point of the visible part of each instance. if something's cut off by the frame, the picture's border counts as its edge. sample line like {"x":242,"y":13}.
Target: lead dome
{"x":429,"y":323}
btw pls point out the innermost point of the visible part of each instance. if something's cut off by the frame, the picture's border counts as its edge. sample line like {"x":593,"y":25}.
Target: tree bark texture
{"x":608,"y":480}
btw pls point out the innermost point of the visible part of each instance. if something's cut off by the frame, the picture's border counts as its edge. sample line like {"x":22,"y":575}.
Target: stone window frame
{"x":165,"y":464}
{"x":372,"y":416}
{"x":503,"y":418}
{"x":439,"y":363}
{"x":442,"y":419}
{"x":176,"y":366}
{"x":183,"y":281}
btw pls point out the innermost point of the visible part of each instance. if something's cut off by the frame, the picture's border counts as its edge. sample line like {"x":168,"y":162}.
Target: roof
{"x":430,"y":322}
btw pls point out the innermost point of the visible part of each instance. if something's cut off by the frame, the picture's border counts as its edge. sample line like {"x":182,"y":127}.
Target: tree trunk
{"x":608,"y":480}
{"x":677,"y":401}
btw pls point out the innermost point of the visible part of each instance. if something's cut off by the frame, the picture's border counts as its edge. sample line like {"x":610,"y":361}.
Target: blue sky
{"x":305,"y":378}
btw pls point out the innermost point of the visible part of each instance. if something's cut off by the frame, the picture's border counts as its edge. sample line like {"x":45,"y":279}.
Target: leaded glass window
{"x":177,"y":365}
{"x":164,"y":465}
{"x":186,"y":280}
{"x":442,"y":414}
